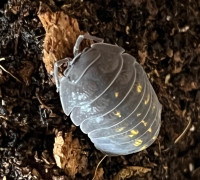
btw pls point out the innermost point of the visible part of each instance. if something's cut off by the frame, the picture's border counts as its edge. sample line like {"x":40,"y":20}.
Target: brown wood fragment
{"x":131,"y":171}
{"x":69,"y":154}
{"x":61,"y":34}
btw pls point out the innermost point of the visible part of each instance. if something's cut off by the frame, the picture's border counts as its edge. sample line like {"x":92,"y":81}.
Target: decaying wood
{"x":69,"y":154}
{"x":61,"y":34}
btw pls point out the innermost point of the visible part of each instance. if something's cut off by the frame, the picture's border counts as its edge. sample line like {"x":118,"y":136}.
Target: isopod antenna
{"x":81,"y":38}
{"x":56,"y":66}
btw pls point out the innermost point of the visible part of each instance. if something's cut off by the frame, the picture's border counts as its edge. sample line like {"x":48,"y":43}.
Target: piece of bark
{"x":131,"y":171}
{"x":69,"y":155}
{"x":61,"y":34}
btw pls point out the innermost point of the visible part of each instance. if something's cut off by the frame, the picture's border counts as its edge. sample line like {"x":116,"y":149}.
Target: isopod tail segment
{"x":76,"y":53}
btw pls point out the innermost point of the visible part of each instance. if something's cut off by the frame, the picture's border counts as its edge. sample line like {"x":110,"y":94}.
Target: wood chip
{"x":143,"y":55}
{"x":61,"y":34}
{"x":26,"y":72}
{"x":131,"y":171}
{"x":69,"y":155}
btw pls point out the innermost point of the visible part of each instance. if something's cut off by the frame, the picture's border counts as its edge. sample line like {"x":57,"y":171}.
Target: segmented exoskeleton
{"x":108,"y":94}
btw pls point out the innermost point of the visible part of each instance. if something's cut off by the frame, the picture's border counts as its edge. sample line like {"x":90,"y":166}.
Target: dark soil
{"x":163,"y":35}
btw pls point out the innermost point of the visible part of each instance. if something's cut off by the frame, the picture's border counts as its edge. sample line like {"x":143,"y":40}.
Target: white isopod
{"x":108,"y":94}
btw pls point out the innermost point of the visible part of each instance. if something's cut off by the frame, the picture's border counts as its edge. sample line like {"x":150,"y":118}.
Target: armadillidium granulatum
{"x":108,"y":94}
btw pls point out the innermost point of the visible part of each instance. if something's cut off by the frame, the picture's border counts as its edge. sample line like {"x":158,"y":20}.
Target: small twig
{"x":185,"y":130}
{"x":182,"y":134}
{"x":98,"y":167}
{"x":41,"y":102}
{"x":3,"y":117}
{"x":159,"y":147}
{"x":10,"y":74}
{"x":17,"y":39}
{"x":2,"y":59}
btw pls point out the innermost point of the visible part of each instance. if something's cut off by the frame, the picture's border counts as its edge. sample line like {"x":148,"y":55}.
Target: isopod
{"x":107,"y":93}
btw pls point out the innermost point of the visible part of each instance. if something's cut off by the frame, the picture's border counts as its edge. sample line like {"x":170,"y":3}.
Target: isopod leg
{"x":56,"y":66}
{"x":81,"y":38}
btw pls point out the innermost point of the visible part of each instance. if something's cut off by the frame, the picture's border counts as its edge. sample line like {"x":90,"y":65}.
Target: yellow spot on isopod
{"x":154,"y":107}
{"x":138,"y":142}
{"x":147,"y":100}
{"x":154,"y":138}
{"x":149,"y":129}
{"x":143,"y":147}
{"x":144,"y":122}
{"x":116,"y":94}
{"x":118,"y":114}
{"x":120,"y":129}
{"x":139,"y":88}
{"x":138,"y":114}
{"x":133,"y":133}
